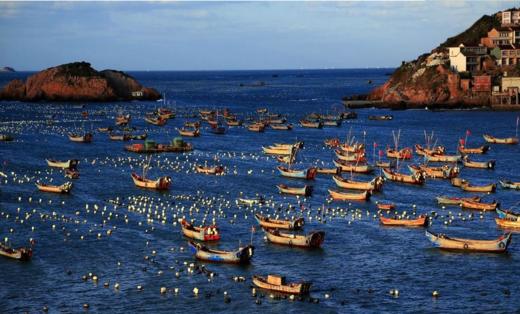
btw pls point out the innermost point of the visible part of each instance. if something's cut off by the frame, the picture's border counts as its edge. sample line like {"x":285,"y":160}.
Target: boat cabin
{"x":276,"y":280}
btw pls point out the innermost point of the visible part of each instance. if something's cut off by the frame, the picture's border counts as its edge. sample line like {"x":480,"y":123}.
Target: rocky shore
{"x":77,"y":81}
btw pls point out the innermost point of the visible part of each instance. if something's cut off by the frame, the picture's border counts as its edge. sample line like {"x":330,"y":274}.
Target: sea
{"x":129,"y":239}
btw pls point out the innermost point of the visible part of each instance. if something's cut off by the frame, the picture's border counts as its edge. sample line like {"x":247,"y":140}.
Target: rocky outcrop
{"x":7,"y":69}
{"x":77,"y":82}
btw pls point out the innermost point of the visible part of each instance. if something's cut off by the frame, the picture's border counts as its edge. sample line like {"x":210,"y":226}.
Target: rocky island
{"x":478,"y":68}
{"x":6,"y":69}
{"x":77,"y":81}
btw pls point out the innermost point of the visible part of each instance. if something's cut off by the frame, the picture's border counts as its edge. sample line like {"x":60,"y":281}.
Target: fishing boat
{"x":478,"y":164}
{"x":67,"y":164}
{"x":507,"y":184}
{"x":496,"y":140}
{"x":332,"y":142}
{"x":422,"y":151}
{"x":469,"y":245}
{"x":352,"y":157}
{"x":189,"y":133}
{"x":105,"y":129}
{"x":209,"y":169}
{"x":297,"y":145}
{"x":387,"y":206}
{"x":373,"y":185}
{"x":85,"y":138}
{"x":119,"y":137}
{"x":444,"y":172}
{"x":262,"y":110}
{"x":488,"y":188}
{"x":508,"y":223}
{"x":421,"y":221}
{"x":458,"y":182}
{"x":335,"y":123}
{"x":284,"y":127}
{"x":149,"y":147}
{"x":194,"y":125}
{"x":242,"y":255}
{"x":442,"y":158}
{"x":311,"y":124}
{"x":250,"y":201}
{"x":256,"y":127}
{"x":284,"y":159}
{"x":21,"y":254}
{"x":477,"y":150}
{"x":380,"y":118}
{"x":269,"y":223}
{"x":155,"y":120}
{"x":385,"y":164}
{"x":305,"y":190}
{"x":448,"y":200}
{"x":508,"y":214}
{"x":477,"y":205}
{"x":353,"y":167}
{"x":274,"y":150}
{"x":233,"y":122}
{"x":205,"y":233}
{"x":64,"y":188}
{"x":123,"y":120}
{"x":353,"y":148}
{"x":138,"y":136}
{"x":308,"y":174}
{"x":342,"y":196}
{"x":166,"y":113}
{"x":72,"y":173}
{"x":405,"y":153}
{"x":162,"y":183}
{"x":312,"y":240}
{"x":334,"y":170}
{"x":6,"y":138}
{"x":417,"y":178}
{"x":277,"y":283}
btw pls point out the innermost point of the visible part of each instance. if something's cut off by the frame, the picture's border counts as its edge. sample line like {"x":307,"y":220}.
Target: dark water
{"x":360,"y":260}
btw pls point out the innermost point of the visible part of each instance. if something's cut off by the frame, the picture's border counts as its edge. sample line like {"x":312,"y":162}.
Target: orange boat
{"x":205,"y":233}
{"x":420,"y":221}
{"x":381,"y":206}
{"x":341,"y":196}
{"x":278,"y":284}
{"x":64,"y":188}
{"x":405,"y":153}
{"x":468,"y":204}
{"x":162,"y":183}
{"x":209,"y":170}
{"x":508,"y":223}
{"x":269,"y":223}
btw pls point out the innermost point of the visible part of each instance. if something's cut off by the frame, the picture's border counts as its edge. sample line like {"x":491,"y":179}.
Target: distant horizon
{"x":229,"y":36}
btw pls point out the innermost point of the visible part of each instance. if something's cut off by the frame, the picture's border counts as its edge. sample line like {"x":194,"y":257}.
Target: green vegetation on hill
{"x":471,"y":36}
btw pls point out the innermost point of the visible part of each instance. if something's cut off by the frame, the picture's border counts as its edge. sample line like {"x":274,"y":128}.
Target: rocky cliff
{"x":429,"y":81}
{"x":77,"y":81}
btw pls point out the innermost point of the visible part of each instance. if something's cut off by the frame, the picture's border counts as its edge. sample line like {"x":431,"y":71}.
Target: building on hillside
{"x":510,"y":17}
{"x":481,"y":83}
{"x":464,"y":58}
{"x":498,"y":36}
{"x":509,"y":93}
{"x":138,"y":94}
{"x":506,"y":55}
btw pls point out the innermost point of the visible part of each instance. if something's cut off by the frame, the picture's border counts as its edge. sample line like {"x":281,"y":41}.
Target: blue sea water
{"x":360,"y":261}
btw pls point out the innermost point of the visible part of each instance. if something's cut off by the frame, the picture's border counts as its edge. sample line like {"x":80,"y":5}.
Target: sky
{"x":230,"y":35}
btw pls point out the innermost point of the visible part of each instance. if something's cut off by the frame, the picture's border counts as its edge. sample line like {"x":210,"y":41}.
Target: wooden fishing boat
{"x":417,"y":178}
{"x":507,"y":214}
{"x":285,"y":127}
{"x":508,"y":223}
{"x":149,"y":147}
{"x":305,"y":190}
{"x":312,"y":240}
{"x":444,"y":172}
{"x":352,"y":157}
{"x":387,"y":207}
{"x":105,"y":129}
{"x":138,"y":136}
{"x":242,"y":255}
{"x":496,"y":140}
{"x":275,"y":121}
{"x":166,"y":113}
{"x":385,"y":164}
{"x":205,"y":233}
{"x":352,"y":167}
{"x":311,"y":124}
{"x":373,"y":185}
{"x":256,"y":127}
{"x":64,"y":188}
{"x":269,"y":223}
{"x":478,"y":164}
{"x":334,"y":170}
{"x":209,"y":169}
{"x":380,"y":118}
{"x":119,"y":137}
{"x":477,"y":205}
{"x":447,"y":200}
{"x":477,"y":150}
{"x":420,"y":221}
{"x":189,"y":133}
{"x":277,"y":283}
{"x":335,"y":123}
{"x":405,"y":153}
{"x":507,"y":184}
{"x":85,"y":138}
{"x":155,"y":120}
{"x":163,"y":183}
{"x":354,"y":148}
{"x":250,"y":201}
{"x":21,"y":254}
{"x":457,"y":182}
{"x":469,"y":245}
{"x":342,"y":196}
{"x":261,"y":110}
{"x":72,"y":173}
{"x":489,"y":188}
{"x":123,"y":119}
{"x":332,"y":142}
{"x":298,"y":145}
{"x":422,"y":151}
{"x":308,"y":174}
{"x":233,"y":122}
{"x":67,"y":164}
{"x":194,"y":125}
{"x":442,"y":158}
{"x":282,"y":151}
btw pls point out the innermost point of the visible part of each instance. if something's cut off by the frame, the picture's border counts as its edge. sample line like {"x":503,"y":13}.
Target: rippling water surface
{"x":359,"y":263}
